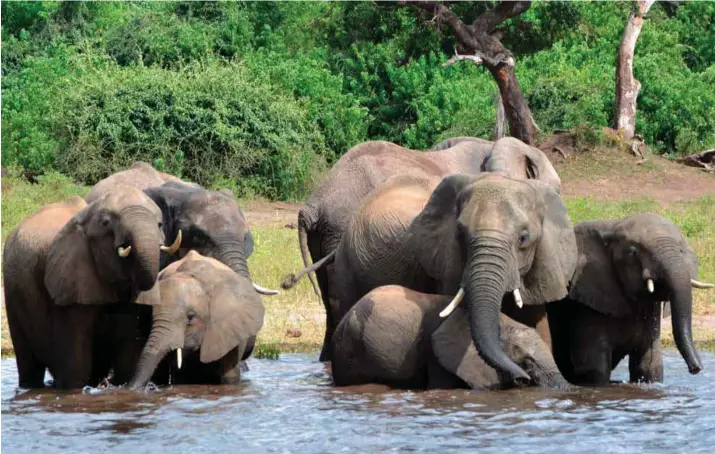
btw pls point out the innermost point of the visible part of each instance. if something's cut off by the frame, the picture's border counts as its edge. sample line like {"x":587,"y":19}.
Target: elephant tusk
{"x":651,"y":285}
{"x":699,"y":284}
{"x":265,"y":291}
{"x":179,"y":358}
{"x":171,"y":250}
{"x":123,"y":253}
{"x":517,"y":298}
{"x":453,"y":304}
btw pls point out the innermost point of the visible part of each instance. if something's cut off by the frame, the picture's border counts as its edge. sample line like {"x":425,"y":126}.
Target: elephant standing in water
{"x":626,"y":268}
{"x":497,"y":242}
{"x":206,"y":313}
{"x":327,"y":213}
{"x":396,"y":337}
{"x":70,"y":269}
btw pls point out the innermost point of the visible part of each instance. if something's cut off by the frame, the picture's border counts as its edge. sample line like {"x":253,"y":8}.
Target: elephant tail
{"x":304,"y":252}
{"x":290,"y":280}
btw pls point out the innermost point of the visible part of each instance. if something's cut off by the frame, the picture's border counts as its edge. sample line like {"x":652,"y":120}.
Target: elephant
{"x":327,"y":213}
{"x":211,"y":223}
{"x":205,"y":312}
{"x":626,"y":268}
{"x":500,"y":243}
{"x":395,"y":336}
{"x":70,"y":270}
{"x":140,"y":175}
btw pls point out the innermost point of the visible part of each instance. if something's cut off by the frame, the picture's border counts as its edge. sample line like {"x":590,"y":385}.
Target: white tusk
{"x":699,"y":284}
{"x":517,"y":298}
{"x":124,"y":252}
{"x":265,"y":291}
{"x":178,"y":358}
{"x":651,"y":285}
{"x":453,"y":304}
{"x":174,"y":247}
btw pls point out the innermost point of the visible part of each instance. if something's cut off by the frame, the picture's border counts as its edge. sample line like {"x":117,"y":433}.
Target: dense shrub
{"x":262,"y":95}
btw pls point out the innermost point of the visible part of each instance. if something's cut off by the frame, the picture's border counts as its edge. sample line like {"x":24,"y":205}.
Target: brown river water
{"x":289,"y":406}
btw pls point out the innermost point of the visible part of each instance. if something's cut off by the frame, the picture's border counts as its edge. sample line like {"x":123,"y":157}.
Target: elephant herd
{"x":454,"y":267}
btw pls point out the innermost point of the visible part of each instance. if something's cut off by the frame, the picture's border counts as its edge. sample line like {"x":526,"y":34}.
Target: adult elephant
{"x":64,"y":267}
{"x":485,"y":236}
{"x":206,"y":313}
{"x":327,"y":213}
{"x":626,"y":268}
{"x":140,"y":175}
{"x":396,"y":337}
{"x":211,"y":223}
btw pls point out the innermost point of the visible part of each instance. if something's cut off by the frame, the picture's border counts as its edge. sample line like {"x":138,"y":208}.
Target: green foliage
{"x":260,"y":96}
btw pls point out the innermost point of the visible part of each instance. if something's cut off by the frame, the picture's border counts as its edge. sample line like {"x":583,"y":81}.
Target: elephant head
{"x":199,"y":304}
{"x":513,"y":158}
{"x":487,"y":237}
{"x":641,"y":259}
{"x":108,"y":252}
{"x":212,"y":224}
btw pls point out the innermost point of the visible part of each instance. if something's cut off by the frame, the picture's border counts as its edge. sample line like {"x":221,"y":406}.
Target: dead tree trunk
{"x":500,"y":125}
{"x":627,"y":87}
{"x":482,"y":39}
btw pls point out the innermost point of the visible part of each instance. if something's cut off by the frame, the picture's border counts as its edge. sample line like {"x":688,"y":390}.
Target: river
{"x":289,"y":406}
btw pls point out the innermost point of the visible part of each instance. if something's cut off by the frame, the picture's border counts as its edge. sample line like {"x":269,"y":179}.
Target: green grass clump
{"x":267,"y":351}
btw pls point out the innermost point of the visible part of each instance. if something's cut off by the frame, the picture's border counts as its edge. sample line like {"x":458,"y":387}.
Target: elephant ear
{"x":433,"y":233}
{"x":248,"y":243}
{"x":454,"y":350}
{"x":595,"y":282}
{"x":70,"y":273}
{"x":235,"y":316}
{"x":556,"y":254}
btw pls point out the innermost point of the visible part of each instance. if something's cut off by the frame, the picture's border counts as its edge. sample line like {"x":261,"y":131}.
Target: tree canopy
{"x":262,"y":96}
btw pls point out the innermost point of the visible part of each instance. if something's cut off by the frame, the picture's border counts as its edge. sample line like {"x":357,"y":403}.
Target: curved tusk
{"x":517,"y":298}
{"x":651,"y":285}
{"x":453,"y":304}
{"x":179,"y":358}
{"x":123,"y":253}
{"x":699,"y":284}
{"x":265,"y":291}
{"x":171,"y":250}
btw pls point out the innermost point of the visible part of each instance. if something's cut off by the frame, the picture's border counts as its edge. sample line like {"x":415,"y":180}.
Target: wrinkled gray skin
{"x":207,"y":310}
{"x":487,"y":233}
{"x":327,"y":213}
{"x":140,"y":175}
{"x":609,"y":312}
{"x":63,"y":276}
{"x":395,"y":336}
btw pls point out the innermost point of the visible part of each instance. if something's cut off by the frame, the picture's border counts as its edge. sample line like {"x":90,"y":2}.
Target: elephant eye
{"x":190,"y":316}
{"x":632,"y":251}
{"x":160,"y":224}
{"x":104,"y":221}
{"x":524,"y":238}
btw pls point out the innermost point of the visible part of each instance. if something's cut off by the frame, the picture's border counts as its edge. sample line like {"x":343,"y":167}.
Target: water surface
{"x":289,"y":406}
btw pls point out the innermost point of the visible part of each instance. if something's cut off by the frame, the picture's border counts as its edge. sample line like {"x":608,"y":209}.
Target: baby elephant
{"x":201,"y":306}
{"x":626,"y":269}
{"x":396,"y":337}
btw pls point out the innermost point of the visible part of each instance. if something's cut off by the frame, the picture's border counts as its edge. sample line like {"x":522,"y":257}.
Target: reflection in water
{"x":290,"y":406}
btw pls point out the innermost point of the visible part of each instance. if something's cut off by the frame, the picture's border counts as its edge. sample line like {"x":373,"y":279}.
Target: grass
{"x":295,"y":319}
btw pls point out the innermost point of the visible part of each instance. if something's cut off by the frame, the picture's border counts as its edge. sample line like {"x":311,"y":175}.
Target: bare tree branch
{"x":457,"y":57}
{"x":489,"y":20}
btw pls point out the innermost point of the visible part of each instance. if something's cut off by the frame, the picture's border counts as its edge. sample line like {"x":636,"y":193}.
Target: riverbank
{"x":599,"y":184}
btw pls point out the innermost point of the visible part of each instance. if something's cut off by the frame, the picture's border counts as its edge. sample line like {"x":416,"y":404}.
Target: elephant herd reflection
{"x":457,"y":267}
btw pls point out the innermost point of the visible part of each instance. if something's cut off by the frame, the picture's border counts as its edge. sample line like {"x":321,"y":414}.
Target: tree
{"x":483,"y":40}
{"x":627,"y":87}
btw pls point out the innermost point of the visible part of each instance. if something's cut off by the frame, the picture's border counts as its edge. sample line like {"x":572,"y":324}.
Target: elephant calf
{"x":200,"y":305}
{"x":395,"y":336}
{"x":626,"y":268}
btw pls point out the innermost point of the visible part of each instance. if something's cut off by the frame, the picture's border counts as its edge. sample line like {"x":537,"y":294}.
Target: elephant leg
{"x":592,"y":364}
{"x":230,"y":368}
{"x":73,"y":332}
{"x":331,"y":307}
{"x":30,"y":368}
{"x":645,"y":364}
{"x":440,"y":378}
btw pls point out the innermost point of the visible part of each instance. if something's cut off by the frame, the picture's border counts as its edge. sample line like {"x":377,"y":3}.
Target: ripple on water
{"x":289,"y":406}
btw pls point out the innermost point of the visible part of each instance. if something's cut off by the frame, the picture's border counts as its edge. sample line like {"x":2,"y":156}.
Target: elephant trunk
{"x":164,"y":337}
{"x":490,"y":270}
{"x":144,"y":240}
{"x":231,"y":253}
{"x":681,"y":303}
